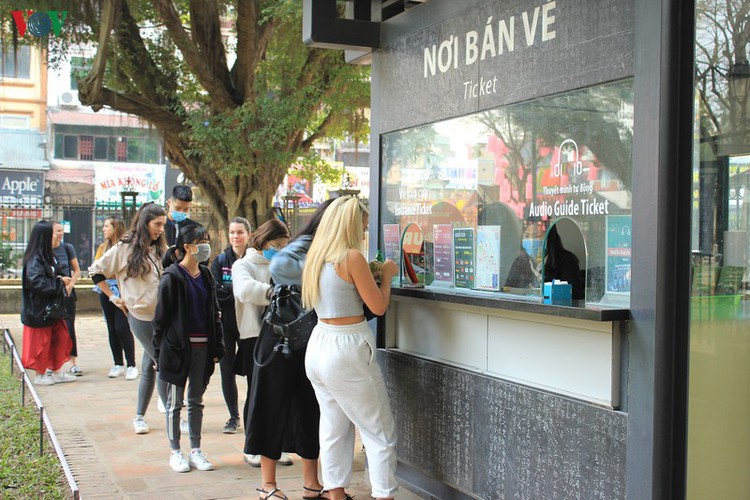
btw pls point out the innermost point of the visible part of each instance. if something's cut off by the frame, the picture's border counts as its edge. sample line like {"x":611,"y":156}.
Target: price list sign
{"x":443,"y":251}
{"x":463,"y":258}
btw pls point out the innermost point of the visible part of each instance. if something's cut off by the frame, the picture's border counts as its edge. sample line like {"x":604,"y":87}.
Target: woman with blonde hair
{"x":340,"y":360}
{"x":120,"y":337}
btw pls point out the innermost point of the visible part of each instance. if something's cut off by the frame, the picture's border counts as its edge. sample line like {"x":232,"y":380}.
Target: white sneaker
{"x":140,"y":425}
{"x":184,"y":426}
{"x":160,"y":405}
{"x":43,"y":379}
{"x":62,"y":378}
{"x":131,"y":373}
{"x":115,"y":371}
{"x":253,"y":460}
{"x":177,"y":462}
{"x":285,"y":459}
{"x":199,"y":461}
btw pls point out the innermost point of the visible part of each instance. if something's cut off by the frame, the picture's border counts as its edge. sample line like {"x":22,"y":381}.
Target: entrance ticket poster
{"x":442,"y":235}
{"x":488,"y":258}
{"x":618,"y":253}
{"x":463,"y":257}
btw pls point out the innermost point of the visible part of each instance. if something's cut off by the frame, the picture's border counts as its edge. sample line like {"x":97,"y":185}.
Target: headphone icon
{"x":577,"y":165}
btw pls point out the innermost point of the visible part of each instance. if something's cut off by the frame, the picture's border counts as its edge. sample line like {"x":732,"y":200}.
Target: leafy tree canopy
{"x":237,"y":96}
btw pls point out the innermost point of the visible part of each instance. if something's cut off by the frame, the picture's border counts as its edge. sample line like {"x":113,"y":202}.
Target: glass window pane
{"x":70,"y":145}
{"x":508,"y":174}
{"x":101,"y":148}
{"x":718,"y":406}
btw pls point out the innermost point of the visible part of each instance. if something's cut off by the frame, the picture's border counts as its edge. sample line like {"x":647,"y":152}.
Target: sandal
{"x":274,"y":493}
{"x":319,"y":494}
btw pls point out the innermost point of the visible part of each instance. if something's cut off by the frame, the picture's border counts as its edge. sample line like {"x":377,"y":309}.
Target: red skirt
{"x":46,"y":347}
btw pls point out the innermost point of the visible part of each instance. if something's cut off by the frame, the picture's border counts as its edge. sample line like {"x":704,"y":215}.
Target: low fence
{"x":44,"y":423}
{"x":83,"y":228}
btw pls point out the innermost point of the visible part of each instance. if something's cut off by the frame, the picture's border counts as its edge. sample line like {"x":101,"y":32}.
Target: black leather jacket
{"x":39,"y":286}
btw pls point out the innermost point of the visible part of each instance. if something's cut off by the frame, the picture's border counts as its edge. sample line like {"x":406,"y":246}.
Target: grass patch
{"x":23,"y":472}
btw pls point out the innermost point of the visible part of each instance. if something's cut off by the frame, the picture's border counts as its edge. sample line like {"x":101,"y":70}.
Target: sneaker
{"x":232,"y":425}
{"x":177,"y":462}
{"x":140,"y":425}
{"x":62,"y":377}
{"x":115,"y":371}
{"x":285,"y":459}
{"x":75,"y":371}
{"x":253,"y":460}
{"x":184,"y":426}
{"x":43,"y":379}
{"x":160,"y":406}
{"x":131,"y":373}
{"x":199,"y":461}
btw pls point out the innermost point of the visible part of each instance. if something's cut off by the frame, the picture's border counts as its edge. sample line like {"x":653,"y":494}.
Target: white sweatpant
{"x":348,"y":383}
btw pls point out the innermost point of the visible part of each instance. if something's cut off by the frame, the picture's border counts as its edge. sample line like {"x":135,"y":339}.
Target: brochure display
{"x":442,"y":235}
{"x":463,"y":257}
{"x":488,"y":258}
{"x":412,"y":252}
{"x":618,"y":253}
{"x":392,"y":244}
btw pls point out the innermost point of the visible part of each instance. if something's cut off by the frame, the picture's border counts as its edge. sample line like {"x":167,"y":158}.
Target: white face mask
{"x":203,"y":253}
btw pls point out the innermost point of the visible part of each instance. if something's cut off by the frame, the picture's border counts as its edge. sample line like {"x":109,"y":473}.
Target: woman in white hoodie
{"x":251,"y":281}
{"x":136,"y":262}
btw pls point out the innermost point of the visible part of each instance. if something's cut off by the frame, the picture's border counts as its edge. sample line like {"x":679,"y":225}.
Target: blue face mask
{"x":270,"y":252}
{"x":178,"y":216}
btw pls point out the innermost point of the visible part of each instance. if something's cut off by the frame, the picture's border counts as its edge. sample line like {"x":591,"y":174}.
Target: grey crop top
{"x":338,"y":298}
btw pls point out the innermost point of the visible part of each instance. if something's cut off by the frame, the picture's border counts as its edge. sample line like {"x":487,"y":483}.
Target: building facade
{"x":505,"y":130}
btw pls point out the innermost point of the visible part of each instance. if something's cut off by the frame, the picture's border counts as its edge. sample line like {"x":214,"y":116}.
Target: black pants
{"x":228,"y":380}
{"x":243,"y":365}
{"x":70,"y":305}
{"x":120,"y":336}
{"x":283,"y":412}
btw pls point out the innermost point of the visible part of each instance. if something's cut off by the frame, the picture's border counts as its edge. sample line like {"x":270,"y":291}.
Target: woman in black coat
{"x":187,"y":339}
{"x":46,"y":342}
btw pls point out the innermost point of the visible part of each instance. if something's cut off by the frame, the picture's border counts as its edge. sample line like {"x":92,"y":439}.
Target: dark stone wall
{"x":494,"y":439}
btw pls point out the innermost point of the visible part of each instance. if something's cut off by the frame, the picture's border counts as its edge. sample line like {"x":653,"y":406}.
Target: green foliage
{"x":7,"y":257}
{"x":23,"y":472}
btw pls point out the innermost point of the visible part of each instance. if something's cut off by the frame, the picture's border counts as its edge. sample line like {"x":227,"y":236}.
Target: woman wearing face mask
{"x":187,"y":339}
{"x":252,"y":288}
{"x":221,"y":268}
{"x":136,"y":264}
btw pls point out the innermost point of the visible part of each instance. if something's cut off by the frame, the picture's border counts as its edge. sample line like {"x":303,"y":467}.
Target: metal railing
{"x":44,"y":422}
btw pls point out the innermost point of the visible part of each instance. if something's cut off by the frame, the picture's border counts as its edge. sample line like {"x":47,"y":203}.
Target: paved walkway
{"x":93,"y":421}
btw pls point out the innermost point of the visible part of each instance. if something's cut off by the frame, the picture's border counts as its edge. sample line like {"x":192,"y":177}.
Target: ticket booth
{"x":499,"y":123}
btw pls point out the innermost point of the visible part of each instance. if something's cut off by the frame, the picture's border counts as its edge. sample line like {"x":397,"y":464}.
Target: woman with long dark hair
{"x":283,"y":412}
{"x":136,"y":262}
{"x":120,"y":337}
{"x":252,"y":288}
{"x":46,"y":342}
{"x":221,"y":268}
{"x":187,"y":339}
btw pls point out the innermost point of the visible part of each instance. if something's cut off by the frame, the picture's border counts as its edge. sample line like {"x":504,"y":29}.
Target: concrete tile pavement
{"x":93,"y":421}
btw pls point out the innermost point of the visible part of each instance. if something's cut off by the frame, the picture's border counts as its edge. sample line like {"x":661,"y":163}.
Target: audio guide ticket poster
{"x":442,"y":235}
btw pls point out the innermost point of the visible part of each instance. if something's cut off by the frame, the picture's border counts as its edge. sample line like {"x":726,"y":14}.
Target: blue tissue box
{"x":558,"y":293}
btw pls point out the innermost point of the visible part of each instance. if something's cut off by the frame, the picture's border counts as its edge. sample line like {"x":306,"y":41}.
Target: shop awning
{"x":96,"y":119}
{"x":22,"y":150}
{"x":83,"y":176}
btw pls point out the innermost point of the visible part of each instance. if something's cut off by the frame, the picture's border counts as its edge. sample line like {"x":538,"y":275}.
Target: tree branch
{"x":252,"y":42}
{"x":220,"y":97}
{"x":206,"y":29}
